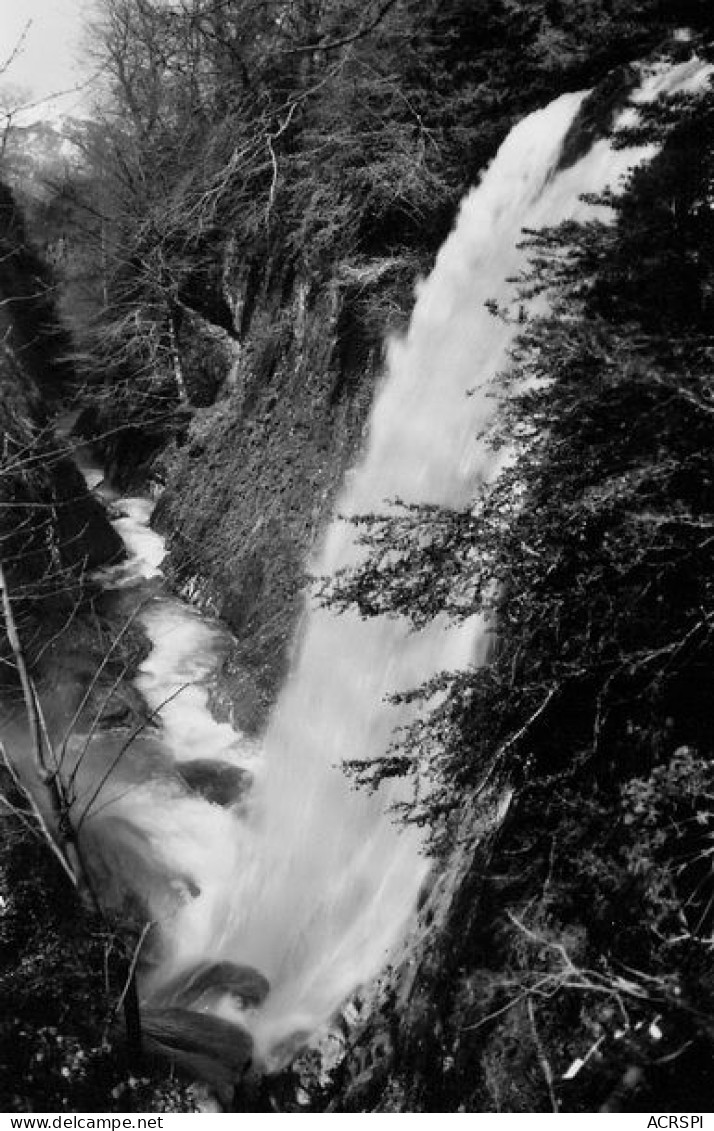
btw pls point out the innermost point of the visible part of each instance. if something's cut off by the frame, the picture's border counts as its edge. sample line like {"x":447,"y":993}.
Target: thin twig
{"x":132,"y":965}
{"x":544,"y":1062}
{"x":122,"y":751}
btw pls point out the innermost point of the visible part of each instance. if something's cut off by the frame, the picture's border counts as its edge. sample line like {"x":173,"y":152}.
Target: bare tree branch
{"x":344,"y":41}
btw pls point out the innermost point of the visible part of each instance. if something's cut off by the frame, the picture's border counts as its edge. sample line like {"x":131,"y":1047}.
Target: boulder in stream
{"x":221,"y":783}
{"x":208,"y":1047}
{"x":245,"y":983}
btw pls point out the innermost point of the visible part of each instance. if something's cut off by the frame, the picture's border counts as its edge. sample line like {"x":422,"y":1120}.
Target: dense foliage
{"x":591,"y":556}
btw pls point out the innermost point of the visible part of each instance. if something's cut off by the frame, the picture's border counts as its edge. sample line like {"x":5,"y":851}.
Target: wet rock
{"x":245,"y":983}
{"x":221,"y":783}
{"x":86,"y":538}
{"x":126,"y":708}
{"x":597,"y":114}
{"x":254,"y":1094}
{"x":208,"y":1047}
{"x":237,"y":698}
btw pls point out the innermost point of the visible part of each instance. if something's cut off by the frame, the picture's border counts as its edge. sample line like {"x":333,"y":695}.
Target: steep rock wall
{"x":254,"y":479}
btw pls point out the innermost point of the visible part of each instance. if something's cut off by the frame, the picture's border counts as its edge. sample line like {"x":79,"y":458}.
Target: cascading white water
{"x":315,"y":885}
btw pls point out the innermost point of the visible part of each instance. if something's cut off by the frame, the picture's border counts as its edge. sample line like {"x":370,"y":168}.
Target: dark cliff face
{"x":51,"y":529}
{"x":256,"y":476}
{"x":31,"y":329}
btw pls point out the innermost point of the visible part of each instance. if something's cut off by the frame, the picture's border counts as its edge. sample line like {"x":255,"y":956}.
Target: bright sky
{"x":50,"y":58}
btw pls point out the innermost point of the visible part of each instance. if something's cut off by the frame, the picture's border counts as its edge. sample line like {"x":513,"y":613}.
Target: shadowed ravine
{"x":275,"y":888}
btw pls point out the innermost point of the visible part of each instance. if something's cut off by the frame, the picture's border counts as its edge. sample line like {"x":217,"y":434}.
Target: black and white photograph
{"x":356,"y":560}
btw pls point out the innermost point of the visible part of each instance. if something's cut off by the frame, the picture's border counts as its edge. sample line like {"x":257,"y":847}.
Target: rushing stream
{"x":296,"y":874}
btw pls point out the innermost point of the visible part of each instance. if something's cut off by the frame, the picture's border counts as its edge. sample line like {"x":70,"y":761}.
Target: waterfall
{"x":311,"y":882}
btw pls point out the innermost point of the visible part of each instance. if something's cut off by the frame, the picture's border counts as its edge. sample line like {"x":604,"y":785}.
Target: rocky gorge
{"x":510,"y":973}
